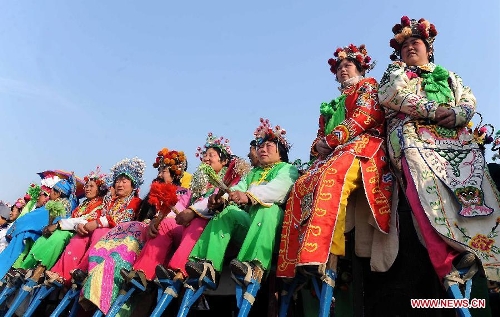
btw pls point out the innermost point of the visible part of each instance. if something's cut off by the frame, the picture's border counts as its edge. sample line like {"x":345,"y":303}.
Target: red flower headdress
{"x":265,"y":132}
{"x":407,"y":28}
{"x":213,"y":141}
{"x":352,"y":51}
{"x":96,"y":176}
{"x":173,"y":160}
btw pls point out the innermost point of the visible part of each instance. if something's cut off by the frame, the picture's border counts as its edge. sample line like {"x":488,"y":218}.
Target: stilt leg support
{"x":191,"y":294}
{"x":166,"y":297}
{"x":23,"y":293}
{"x":43,"y":292}
{"x":71,"y":295}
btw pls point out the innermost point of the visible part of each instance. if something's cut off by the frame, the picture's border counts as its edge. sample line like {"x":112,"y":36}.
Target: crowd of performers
{"x":410,"y":132}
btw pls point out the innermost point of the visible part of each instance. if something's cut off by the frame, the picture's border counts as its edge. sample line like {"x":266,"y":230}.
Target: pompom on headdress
{"x":48,"y":182}
{"x":132,"y":168}
{"x":213,"y":141}
{"x":360,"y":54}
{"x":175,"y":161}
{"x":422,"y":29}
{"x":265,"y":132}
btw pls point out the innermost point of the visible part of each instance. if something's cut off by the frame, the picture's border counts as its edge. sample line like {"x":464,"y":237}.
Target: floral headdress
{"x":213,"y":141}
{"x":173,"y":160}
{"x":265,"y":132}
{"x":132,"y":168}
{"x":20,"y":203}
{"x":407,"y":28}
{"x":352,"y":51}
{"x":48,"y":182}
{"x":97,"y":176}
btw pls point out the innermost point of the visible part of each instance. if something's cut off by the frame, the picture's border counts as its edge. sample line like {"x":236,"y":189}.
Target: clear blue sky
{"x":86,"y":83}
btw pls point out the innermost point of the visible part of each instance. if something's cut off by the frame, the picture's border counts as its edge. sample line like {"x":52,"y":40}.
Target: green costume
{"x":256,"y":225}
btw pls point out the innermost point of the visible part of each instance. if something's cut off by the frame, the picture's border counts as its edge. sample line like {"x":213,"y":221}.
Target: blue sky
{"x":87,"y":83}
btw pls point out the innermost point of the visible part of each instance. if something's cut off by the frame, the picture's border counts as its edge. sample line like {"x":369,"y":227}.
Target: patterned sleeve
{"x":465,"y":104}
{"x":366,"y":115}
{"x":200,"y":206}
{"x":395,"y":93}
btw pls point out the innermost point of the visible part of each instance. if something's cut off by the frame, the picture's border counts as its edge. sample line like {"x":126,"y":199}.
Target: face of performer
{"x":42,"y":199}
{"x":414,"y":52}
{"x":252,"y":155}
{"x":165,"y":175}
{"x":14,"y":213}
{"x":212,"y":158}
{"x":347,"y":69}
{"x":54,"y":194}
{"x":91,"y":190}
{"x":268,"y":153}
{"x":123,"y":186}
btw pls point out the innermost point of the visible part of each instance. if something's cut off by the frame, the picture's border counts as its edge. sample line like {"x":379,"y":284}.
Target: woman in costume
{"x":47,"y":249}
{"x":28,"y":227}
{"x":350,"y":155}
{"x":126,"y":177}
{"x":115,"y":253}
{"x":251,"y":216}
{"x":440,"y":165}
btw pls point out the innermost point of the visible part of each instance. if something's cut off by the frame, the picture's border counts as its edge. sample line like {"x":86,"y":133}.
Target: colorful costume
{"x":46,"y":250}
{"x":454,"y":201}
{"x":114,"y":211}
{"x":315,"y":216}
{"x":255,"y":227}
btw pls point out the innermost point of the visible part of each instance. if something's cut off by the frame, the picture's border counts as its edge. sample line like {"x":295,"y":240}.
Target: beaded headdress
{"x":265,"y":132}
{"x":213,"y":141}
{"x":175,"y":161}
{"x":352,"y":51}
{"x":411,"y":28}
{"x":132,"y":168}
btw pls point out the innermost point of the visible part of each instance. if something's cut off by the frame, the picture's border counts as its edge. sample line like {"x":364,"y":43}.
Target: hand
{"x":152,"y":231}
{"x":48,"y":230}
{"x":184,"y":217}
{"x":214,"y":203}
{"x":240,"y":198}
{"x":323,"y":149}
{"x":80,"y":229}
{"x":90,"y":226}
{"x":445,"y":117}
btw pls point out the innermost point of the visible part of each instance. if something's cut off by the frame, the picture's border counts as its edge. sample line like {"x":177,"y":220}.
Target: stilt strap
{"x":248,"y":277}
{"x":327,"y":280}
{"x":455,"y":278}
{"x":249,"y":297}
{"x":170,"y":291}
{"x":206,"y":267}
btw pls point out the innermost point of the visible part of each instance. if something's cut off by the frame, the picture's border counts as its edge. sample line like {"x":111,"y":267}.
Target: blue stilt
{"x":23,"y":293}
{"x":98,"y":313}
{"x":10,"y":288}
{"x":455,"y":292}
{"x":190,"y":295}
{"x":327,"y":286}
{"x":43,"y":292}
{"x":246,"y":295}
{"x":119,"y":302}
{"x":288,"y":292}
{"x":71,"y":295}
{"x":165,"y":298}
{"x":7,"y":291}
